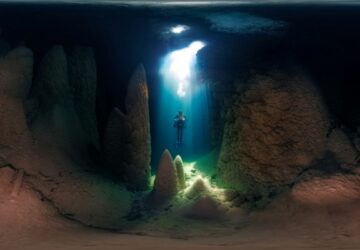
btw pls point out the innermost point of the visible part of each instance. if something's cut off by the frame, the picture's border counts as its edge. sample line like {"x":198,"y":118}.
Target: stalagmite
{"x":179,"y":165}
{"x":83,"y":81}
{"x":139,"y":149}
{"x":165,"y":186}
{"x":198,"y":188}
{"x":127,"y":142}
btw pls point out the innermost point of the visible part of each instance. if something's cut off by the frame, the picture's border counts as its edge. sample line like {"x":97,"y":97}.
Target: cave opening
{"x":181,"y":90}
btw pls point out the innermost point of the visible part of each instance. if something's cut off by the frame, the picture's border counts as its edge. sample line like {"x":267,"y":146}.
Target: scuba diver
{"x":179,"y":124}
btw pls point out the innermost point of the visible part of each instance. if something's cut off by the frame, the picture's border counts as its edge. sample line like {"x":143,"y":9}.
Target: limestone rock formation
{"x":116,"y":139}
{"x":83,"y":82}
{"x":15,"y":81}
{"x":57,"y":126}
{"x":51,"y":147}
{"x":139,"y":149}
{"x":342,"y":147}
{"x":179,"y":165}
{"x":276,"y":128}
{"x":198,"y":188}
{"x":129,"y":152}
{"x":328,"y":190}
{"x":206,"y":207}
{"x":51,"y":84}
{"x":165,"y":186}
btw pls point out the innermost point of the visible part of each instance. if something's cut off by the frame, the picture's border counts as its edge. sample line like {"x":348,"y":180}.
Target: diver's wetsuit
{"x":179,"y":124}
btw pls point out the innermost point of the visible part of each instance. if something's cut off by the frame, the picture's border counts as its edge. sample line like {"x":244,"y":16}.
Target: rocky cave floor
{"x":317,"y":214}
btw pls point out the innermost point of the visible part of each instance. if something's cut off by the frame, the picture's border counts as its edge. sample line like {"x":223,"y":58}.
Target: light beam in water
{"x":179,"y":65}
{"x":180,"y":89}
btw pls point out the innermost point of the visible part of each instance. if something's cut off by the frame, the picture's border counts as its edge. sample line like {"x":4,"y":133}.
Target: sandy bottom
{"x":253,"y":239}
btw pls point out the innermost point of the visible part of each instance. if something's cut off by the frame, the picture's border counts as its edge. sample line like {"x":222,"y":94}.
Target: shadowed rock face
{"x":52,"y":147}
{"x":83,"y":81}
{"x":126,"y":144}
{"x":276,"y":128}
{"x":115,"y":141}
{"x":343,"y":149}
{"x":57,"y":126}
{"x":51,"y":84}
{"x":15,"y":81}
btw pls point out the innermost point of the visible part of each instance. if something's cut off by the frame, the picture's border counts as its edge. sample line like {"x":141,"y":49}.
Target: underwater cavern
{"x":179,"y":124}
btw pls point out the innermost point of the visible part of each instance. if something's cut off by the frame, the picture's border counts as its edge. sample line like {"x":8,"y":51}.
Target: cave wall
{"x":49,"y":137}
{"x":277,"y":129}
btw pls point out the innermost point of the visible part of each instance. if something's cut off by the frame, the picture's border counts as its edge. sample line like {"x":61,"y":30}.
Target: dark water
{"x":324,"y":40}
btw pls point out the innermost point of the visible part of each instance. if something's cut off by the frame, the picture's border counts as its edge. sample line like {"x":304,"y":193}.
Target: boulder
{"x":274,"y":130}
{"x":179,"y":165}
{"x":83,"y":82}
{"x":165,"y":185}
{"x":198,"y":188}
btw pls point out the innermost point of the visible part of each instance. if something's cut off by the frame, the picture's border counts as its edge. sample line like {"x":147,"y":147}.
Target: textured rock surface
{"x":55,"y":146}
{"x":337,"y":189}
{"x":51,"y":84}
{"x":83,"y":81}
{"x":87,"y":198}
{"x":206,"y":207}
{"x":275,"y":129}
{"x":165,"y":186}
{"x":179,"y":165}
{"x":15,"y":81}
{"x":57,"y":126}
{"x":130,"y":154}
{"x":137,"y":106}
{"x":342,"y":147}
{"x":115,"y":141}
{"x":198,"y":188}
